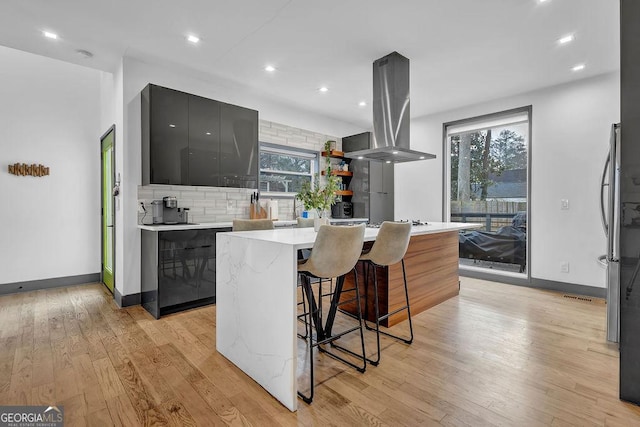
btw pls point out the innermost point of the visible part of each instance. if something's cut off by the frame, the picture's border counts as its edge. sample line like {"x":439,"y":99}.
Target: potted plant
{"x":318,"y":197}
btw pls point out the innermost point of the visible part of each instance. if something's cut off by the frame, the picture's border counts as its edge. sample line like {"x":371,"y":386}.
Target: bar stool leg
{"x":378,"y":318}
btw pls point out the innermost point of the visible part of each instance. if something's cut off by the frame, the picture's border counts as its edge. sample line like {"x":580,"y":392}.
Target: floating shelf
{"x":338,"y":173}
{"x":334,"y":153}
{"x":344,"y":193}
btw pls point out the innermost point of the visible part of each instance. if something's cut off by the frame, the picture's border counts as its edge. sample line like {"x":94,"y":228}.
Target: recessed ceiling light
{"x":49,"y":35}
{"x":542,"y":1}
{"x":388,"y":161}
{"x":208,"y":133}
{"x":193,"y":39}
{"x":360,"y":157}
{"x":270,"y":68}
{"x":324,"y":89}
{"x":394,"y":152}
{"x":566,"y":39}
{"x":421,"y":157}
{"x":172,"y":125}
{"x":362,"y":104}
{"x":578,"y":67}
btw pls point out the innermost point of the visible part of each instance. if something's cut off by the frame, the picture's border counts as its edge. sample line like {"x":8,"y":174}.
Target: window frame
{"x":290,"y":151}
{"x":516,"y":279}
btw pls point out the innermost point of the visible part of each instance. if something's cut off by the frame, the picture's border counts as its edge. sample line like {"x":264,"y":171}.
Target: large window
{"x":284,"y":169}
{"x":488,"y":183}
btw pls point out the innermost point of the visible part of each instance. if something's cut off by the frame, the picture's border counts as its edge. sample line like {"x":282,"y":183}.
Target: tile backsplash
{"x":223,"y":204}
{"x":210,"y":204}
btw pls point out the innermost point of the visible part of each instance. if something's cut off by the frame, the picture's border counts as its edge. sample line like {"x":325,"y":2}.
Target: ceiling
{"x":462,"y":52}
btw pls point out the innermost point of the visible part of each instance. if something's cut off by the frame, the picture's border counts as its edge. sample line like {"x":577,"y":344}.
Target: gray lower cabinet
{"x":178,"y":269}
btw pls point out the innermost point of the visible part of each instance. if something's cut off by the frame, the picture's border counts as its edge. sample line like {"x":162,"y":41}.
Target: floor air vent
{"x":585,"y":299}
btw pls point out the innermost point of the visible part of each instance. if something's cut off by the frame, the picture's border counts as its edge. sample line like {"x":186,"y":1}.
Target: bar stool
{"x":335,"y":254}
{"x":302,"y":255}
{"x":304,"y":222}
{"x":389,"y":248}
{"x":252,"y":224}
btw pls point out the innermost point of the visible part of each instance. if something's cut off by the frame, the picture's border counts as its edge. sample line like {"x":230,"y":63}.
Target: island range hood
{"x":390,"y":142}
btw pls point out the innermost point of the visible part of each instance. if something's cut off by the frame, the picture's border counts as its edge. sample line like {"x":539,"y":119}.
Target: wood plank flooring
{"x":495,"y":355}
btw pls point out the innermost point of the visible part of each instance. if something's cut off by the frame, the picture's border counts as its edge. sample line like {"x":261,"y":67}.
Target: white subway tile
{"x":159,"y":194}
{"x":215,"y":195}
{"x":215,"y":211}
{"x":205,"y":203}
{"x":236,"y":196}
{"x":159,"y":187}
{"x":279,"y":126}
{"x":191,"y":195}
{"x":275,"y":139}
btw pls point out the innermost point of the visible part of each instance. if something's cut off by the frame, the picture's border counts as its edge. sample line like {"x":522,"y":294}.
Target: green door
{"x":108,"y":224}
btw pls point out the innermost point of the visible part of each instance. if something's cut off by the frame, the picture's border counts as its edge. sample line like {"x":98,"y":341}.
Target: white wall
{"x":50,"y":110}
{"x":136,"y":75}
{"x":570,"y":135}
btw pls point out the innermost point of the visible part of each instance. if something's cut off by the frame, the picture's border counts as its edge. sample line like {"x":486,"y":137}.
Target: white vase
{"x":317,"y":222}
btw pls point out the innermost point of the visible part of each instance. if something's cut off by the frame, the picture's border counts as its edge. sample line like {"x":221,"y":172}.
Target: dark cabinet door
{"x":178,"y":267}
{"x":204,"y":141}
{"x":169,"y":136}
{"x":238,"y":147}
{"x":186,"y":268}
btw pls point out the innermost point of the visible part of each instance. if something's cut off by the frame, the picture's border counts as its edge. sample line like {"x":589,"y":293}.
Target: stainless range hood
{"x":390,"y":142}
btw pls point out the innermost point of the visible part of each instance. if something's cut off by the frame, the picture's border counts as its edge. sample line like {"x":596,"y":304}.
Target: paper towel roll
{"x":272,"y":209}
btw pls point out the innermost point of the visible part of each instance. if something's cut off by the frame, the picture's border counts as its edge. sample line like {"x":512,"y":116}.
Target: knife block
{"x":256,"y":211}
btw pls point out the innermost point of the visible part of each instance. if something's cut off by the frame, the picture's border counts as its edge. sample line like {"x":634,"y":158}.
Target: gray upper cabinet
{"x":238,"y":147}
{"x":204,"y":141}
{"x":190,"y":140}
{"x":165,"y":135}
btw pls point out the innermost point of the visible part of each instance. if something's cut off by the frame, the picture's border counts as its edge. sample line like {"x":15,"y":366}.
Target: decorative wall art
{"x":23,"y":169}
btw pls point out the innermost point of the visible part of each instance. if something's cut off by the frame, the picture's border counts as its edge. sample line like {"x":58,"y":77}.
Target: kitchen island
{"x":256,"y":275}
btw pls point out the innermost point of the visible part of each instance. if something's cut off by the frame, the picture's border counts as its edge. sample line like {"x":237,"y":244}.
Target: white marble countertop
{"x":302,"y":238}
{"x":173,"y":227}
{"x":256,"y":301}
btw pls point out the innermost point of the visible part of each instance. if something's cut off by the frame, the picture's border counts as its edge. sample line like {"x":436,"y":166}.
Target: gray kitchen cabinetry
{"x":372,"y":183}
{"x":238,"y":147}
{"x":178,"y":269}
{"x":191,"y":140}
{"x":165,"y":135}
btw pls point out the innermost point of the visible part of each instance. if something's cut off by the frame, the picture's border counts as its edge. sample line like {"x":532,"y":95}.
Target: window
{"x":488,"y":183}
{"x":284,"y":169}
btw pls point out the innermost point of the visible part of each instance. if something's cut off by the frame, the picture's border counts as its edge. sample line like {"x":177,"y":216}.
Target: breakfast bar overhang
{"x":256,"y":276}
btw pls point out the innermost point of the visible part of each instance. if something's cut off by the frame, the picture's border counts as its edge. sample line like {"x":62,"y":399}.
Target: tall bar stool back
{"x":304,"y":222}
{"x":389,"y":248}
{"x":252,"y":224}
{"x":335,"y":253}
{"x":391,"y":243}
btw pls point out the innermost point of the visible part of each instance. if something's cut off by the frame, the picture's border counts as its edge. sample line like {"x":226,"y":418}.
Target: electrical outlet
{"x":564,"y":204}
{"x":564,"y":267}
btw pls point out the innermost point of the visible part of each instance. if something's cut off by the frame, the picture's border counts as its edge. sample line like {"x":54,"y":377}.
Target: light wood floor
{"x":495,"y":355}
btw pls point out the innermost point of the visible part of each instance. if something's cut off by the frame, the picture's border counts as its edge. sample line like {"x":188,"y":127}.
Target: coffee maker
{"x":166,"y":211}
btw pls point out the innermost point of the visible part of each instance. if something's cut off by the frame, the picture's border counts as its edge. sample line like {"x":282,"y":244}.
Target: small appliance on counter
{"x":342,"y":210}
{"x":166,"y":211}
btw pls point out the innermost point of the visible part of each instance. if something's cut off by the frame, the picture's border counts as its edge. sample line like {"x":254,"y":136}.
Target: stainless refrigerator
{"x":610,"y":211}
